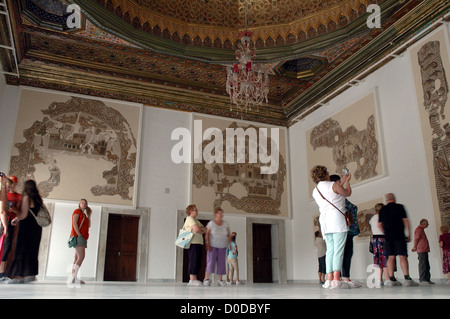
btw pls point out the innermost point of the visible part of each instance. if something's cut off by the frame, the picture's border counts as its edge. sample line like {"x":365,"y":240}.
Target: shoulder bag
{"x":73,"y":239}
{"x":184,"y":239}
{"x":43,"y":218}
{"x":348,"y":215}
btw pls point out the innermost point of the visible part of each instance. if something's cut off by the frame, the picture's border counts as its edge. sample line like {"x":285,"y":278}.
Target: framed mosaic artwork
{"x":350,"y":140}
{"x":77,"y":147}
{"x":240,"y":187}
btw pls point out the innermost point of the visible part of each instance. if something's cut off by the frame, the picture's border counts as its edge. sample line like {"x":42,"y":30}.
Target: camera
{"x":346,"y":171}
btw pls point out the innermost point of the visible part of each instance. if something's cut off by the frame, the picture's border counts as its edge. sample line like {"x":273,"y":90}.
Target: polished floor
{"x":102,"y":290}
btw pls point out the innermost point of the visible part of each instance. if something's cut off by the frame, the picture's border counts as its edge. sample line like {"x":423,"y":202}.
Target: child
{"x":233,"y":266}
{"x":444,"y":242}
{"x":321,"y":250}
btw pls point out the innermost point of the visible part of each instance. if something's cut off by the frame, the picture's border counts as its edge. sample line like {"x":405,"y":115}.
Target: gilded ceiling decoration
{"x":174,"y":53}
{"x":216,"y":23}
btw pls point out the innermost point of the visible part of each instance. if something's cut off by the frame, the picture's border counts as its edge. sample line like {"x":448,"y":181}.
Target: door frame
{"x":281,"y":240}
{"x":143,"y":240}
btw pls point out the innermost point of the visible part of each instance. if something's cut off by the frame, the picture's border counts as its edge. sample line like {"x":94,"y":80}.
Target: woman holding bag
{"x":196,"y":249}
{"x":81,"y":221}
{"x":330,"y":197}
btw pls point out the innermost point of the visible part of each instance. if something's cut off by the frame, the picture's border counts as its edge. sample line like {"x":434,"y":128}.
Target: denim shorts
{"x":81,"y":242}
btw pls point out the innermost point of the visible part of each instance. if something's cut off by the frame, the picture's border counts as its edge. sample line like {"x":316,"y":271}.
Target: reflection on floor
{"x":102,"y":290}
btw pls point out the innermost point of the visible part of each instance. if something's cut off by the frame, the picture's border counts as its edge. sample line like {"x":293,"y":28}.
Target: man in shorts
{"x":393,"y":221}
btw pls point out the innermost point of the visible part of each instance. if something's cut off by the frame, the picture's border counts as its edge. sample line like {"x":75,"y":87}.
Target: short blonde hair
{"x":444,"y":229}
{"x":218,"y":210}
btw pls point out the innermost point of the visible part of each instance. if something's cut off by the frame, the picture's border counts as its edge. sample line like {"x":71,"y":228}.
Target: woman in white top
{"x":330,"y":197}
{"x":217,"y":240}
{"x":378,"y":239}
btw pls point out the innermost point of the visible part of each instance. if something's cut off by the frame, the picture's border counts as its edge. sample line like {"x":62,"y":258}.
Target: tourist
{"x":378,"y":239}
{"x":321,"y":247}
{"x":444,"y":242}
{"x":81,"y":221}
{"x":217,"y":239}
{"x":195,"y":251}
{"x":25,"y":266}
{"x":232,"y":261}
{"x":422,"y":247}
{"x":353,"y":230}
{"x":330,"y":197}
{"x":6,"y":217}
{"x":392,"y":221}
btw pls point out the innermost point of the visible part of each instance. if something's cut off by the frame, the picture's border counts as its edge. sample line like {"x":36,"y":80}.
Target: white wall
{"x":406,"y":170}
{"x":157,"y":172}
{"x":9,"y":100}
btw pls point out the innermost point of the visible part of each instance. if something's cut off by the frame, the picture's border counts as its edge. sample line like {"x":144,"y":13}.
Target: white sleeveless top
{"x":331,"y":220}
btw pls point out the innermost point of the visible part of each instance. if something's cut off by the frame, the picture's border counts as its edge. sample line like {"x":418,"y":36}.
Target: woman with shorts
{"x":81,"y":221}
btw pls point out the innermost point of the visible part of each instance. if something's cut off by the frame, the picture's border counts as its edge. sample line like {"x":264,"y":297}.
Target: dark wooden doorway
{"x":262,"y":253}
{"x":201,"y":274}
{"x":121,"y":248}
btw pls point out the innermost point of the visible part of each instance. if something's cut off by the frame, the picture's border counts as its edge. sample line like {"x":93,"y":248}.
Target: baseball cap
{"x":13,"y":178}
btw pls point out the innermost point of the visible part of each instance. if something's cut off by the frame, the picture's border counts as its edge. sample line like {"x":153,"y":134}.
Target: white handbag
{"x":184,"y":239}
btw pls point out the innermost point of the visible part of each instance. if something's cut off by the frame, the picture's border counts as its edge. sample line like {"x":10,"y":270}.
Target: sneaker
{"x":194,"y":283}
{"x":206,"y":282}
{"x":4,"y":279}
{"x":339,"y":284}
{"x":327,"y":284}
{"x":410,"y":283}
{"x":30,"y":279}
{"x":15,"y":281}
{"x":221,"y":283}
{"x":353,"y":284}
{"x":390,"y":283}
{"x":344,"y":285}
{"x":229,"y":283}
{"x":238,"y":283}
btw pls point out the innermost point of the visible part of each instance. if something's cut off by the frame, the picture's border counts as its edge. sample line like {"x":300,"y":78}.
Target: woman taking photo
{"x":217,"y":239}
{"x":81,"y":221}
{"x":196,"y":249}
{"x":24,"y":267}
{"x":330,"y":197}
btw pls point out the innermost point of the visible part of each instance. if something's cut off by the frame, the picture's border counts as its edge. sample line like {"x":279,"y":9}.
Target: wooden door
{"x":201,"y":274}
{"x":121,"y":248}
{"x":262,"y":253}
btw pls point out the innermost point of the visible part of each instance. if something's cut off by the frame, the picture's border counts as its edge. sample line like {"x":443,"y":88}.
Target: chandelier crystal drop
{"x":247,"y":84}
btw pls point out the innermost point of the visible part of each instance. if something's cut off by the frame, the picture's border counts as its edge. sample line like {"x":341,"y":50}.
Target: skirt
{"x":379,"y":258}
{"x":446,"y":261}
{"x":25,"y":261}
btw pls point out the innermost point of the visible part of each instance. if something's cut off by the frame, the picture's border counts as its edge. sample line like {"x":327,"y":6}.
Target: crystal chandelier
{"x":247,"y":84}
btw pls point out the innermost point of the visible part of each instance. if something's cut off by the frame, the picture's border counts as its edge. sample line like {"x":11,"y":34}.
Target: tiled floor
{"x":255,"y":291}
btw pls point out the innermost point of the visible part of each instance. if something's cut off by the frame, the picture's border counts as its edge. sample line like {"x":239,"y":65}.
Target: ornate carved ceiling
{"x":309,"y":47}
{"x":216,"y":23}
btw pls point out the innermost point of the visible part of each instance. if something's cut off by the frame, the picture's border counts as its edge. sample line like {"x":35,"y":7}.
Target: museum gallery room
{"x":226,"y":149}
